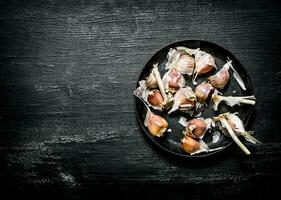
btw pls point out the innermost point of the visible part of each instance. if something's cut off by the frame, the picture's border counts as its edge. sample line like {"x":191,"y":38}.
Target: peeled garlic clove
{"x":151,"y":81}
{"x":221,"y":78}
{"x":203,"y":91}
{"x":185,"y":64}
{"x":184,"y":100}
{"x":155,"y":98}
{"x":173,"y":80}
{"x":156,"y":124}
{"x":189,"y":144}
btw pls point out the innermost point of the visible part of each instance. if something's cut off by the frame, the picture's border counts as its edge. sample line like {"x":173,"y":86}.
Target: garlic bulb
{"x":204,"y":63}
{"x":156,"y":124}
{"x":221,"y":78}
{"x":182,"y":61}
{"x":203,"y":91}
{"x":184,"y":100}
{"x":173,"y":80}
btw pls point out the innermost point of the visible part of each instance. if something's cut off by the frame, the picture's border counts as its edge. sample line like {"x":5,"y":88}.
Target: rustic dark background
{"x":67,"y":118}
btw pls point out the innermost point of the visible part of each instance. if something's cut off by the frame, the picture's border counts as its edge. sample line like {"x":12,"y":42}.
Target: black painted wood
{"x":67,"y":119}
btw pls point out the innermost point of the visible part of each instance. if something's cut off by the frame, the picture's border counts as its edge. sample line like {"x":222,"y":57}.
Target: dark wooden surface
{"x":67,"y":118}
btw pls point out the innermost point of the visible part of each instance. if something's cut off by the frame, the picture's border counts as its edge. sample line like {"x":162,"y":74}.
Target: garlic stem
{"x":159,"y":81}
{"x":233,"y":136}
{"x":245,"y":100}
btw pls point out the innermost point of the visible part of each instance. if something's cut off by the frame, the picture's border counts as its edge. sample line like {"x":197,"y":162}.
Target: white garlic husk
{"x":151,"y":81}
{"x":142,"y":92}
{"x":180,"y":60}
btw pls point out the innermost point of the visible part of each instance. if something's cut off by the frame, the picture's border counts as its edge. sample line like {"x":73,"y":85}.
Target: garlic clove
{"x":203,"y":91}
{"x":184,"y":100}
{"x":235,"y":122}
{"x":232,"y":125}
{"x":189,"y":144}
{"x":196,"y":127}
{"x":155,"y":98}
{"x":181,"y":59}
{"x":173,"y":80}
{"x":185,"y":64}
{"x":221,"y":78}
{"x":225,"y":124}
{"x":156,"y":124}
{"x":204,"y":63}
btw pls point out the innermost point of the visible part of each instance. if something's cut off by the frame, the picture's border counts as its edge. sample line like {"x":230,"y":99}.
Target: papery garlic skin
{"x":235,"y":123}
{"x":143,"y":93}
{"x":151,"y":81}
{"x":221,"y":78}
{"x":173,"y":80}
{"x":156,"y":124}
{"x":173,"y":57}
{"x":184,"y":100}
{"x":185,"y":64}
{"x":204,"y":63}
{"x":203,"y":91}
{"x":180,"y":60}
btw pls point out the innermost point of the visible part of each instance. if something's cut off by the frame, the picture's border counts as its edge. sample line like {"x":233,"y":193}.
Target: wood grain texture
{"x":67,"y":73}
